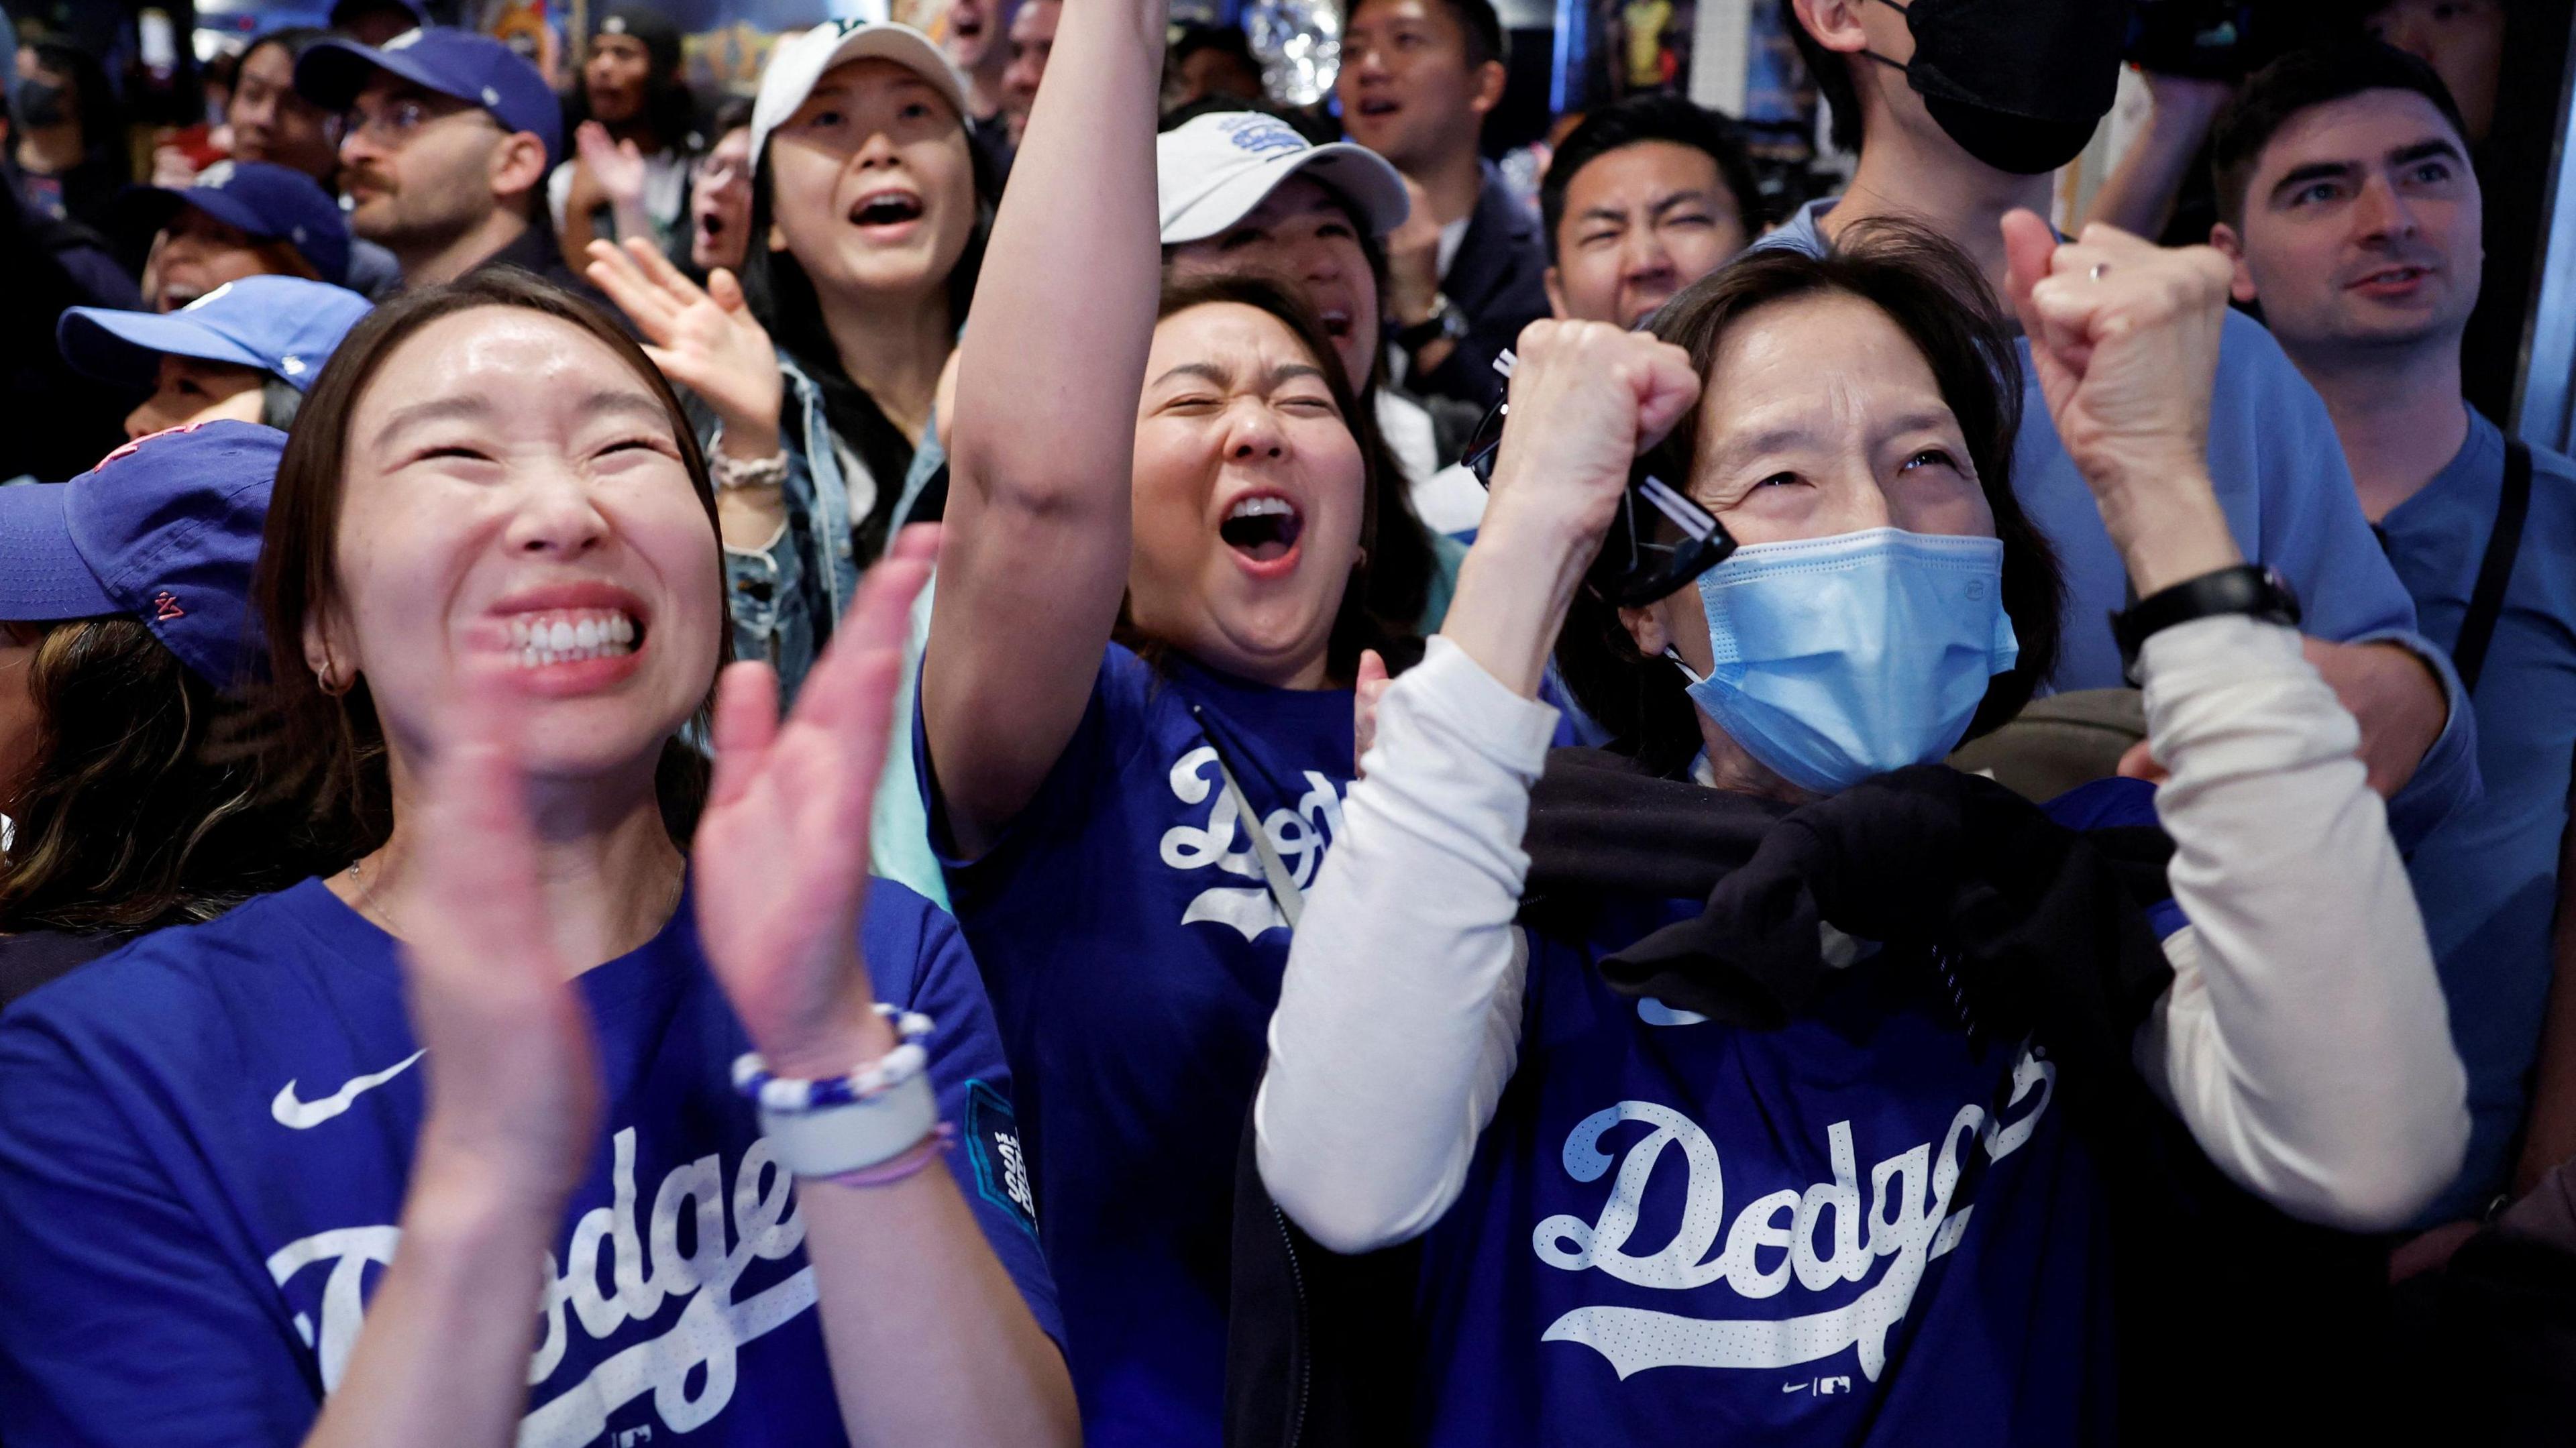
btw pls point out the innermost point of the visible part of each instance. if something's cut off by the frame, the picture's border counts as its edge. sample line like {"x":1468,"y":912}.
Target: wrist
{"x":852,"y":1040}
{"x":469,"y":1195}
{"x":2168,"y":531}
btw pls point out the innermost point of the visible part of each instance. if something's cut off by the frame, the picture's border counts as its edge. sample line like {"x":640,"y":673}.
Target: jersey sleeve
{"x":1114,"y":729}
{"x":974,"y":1087}
{"x":123,"y":1317}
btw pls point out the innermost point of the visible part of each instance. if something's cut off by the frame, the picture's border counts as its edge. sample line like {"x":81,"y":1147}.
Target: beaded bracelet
{"x":789,"y":1096}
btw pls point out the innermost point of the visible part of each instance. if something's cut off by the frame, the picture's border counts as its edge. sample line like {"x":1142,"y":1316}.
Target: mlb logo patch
{"x":993,"y":1145}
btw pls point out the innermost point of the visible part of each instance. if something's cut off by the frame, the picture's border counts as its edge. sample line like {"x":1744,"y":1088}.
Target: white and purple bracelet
{"x":848,"y":1124}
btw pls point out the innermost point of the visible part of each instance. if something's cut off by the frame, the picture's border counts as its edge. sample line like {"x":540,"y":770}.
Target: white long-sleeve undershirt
{"x":2303,"y":1041}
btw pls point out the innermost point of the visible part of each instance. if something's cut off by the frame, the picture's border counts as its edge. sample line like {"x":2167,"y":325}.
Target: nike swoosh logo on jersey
{"x":305,"y":1115}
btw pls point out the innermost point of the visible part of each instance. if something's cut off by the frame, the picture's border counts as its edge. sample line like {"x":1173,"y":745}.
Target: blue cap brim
{"x":332,"y":72}
{"x":127,"y":347}
{"x":46,"y":578}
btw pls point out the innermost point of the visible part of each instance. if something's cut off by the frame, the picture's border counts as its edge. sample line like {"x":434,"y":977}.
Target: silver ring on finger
{"x":2099,"y":268}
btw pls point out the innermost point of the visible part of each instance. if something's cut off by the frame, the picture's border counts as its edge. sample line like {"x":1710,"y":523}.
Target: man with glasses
{"x":445,"y":150}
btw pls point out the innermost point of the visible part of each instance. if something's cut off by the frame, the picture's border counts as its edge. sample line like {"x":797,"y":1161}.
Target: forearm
{"x":929,"y":1340}
{"x":1514,"y":590}
{"x":2138,"y":195}
{"x":1055,"y":356}
{"x":2304,"y":1041}
{"x":1033,"y":560}
{"x":1399,"y":1017}
{"x":443,"y":1357}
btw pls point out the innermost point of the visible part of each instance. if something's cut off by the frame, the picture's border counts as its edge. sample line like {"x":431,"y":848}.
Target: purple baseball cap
{"x":165,"y":529}
{"x":265,"y":200}
{"x":452,"y":62}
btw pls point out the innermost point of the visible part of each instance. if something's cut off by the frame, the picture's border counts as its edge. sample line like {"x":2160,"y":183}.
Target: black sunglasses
{"x":1634,"y":568}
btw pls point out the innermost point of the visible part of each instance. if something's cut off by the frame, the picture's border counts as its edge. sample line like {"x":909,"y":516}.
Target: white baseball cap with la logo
{"x":1212,"y":170}
{"x":798,"y":62}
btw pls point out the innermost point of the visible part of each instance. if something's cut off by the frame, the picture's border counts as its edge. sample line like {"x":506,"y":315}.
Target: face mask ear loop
{"x":1687,"y":671}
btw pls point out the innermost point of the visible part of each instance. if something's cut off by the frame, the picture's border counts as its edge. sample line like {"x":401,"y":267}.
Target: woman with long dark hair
{"x":1153,"y":601}
{"x":820,"y":364}
{"x":130,"y":724}
{"x":1767,"y":1080}
{"x":598,"y":1097}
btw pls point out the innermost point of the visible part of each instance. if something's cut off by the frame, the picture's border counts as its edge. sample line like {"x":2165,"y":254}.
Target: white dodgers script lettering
{"x":1823,"y":1236}
{"x":646,"y":1268}
{"x":1299,"y":835}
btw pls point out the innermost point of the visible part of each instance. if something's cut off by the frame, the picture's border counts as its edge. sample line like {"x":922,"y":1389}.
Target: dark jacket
{"x":1499,"y":280}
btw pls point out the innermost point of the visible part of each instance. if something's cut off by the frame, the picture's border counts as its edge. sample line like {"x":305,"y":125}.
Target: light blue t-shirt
{"x":2488,"y":880}
{"x":2281,"y":479}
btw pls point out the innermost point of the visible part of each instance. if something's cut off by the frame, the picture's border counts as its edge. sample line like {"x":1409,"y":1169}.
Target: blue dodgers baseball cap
{"x":286,"y":327}
{"x":165,"y":529}
{"x":441,"y":58}
{"x":271,"y":202}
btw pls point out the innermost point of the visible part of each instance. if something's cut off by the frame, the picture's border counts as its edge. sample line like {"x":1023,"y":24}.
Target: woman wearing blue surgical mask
{"x":1854,"y":1103}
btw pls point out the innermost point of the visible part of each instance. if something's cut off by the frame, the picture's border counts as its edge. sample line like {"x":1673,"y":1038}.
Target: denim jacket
{"x":785,"y":597}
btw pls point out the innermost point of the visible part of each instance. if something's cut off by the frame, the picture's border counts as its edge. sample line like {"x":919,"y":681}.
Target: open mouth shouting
{"x":1378,"y":107}
{"x":1262,"y":529}
{"x":893,"y":210}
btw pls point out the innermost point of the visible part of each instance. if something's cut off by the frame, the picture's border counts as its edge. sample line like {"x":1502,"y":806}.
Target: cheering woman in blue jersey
{"x":1126,"y":825}
{"x":466,"y":1143}
{"x":1827,"y":1157}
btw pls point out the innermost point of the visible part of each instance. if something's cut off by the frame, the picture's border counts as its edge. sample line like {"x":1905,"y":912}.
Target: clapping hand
{"x":615,"y":168}
{"x":513,"y":1072}
{"x":782,"y":851}
{"x":705,"y":339}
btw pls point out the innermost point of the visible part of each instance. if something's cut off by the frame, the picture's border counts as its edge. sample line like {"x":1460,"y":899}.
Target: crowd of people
{"x":1002,"y":745}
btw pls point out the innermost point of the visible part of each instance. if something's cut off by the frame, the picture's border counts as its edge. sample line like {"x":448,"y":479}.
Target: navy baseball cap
{"x":269,"y":201}
{"x":166,"y":529}
{"x":440,"y":58}
{"x":286,"y":327}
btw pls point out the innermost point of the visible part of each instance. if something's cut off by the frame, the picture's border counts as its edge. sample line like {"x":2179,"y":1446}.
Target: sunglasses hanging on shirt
{"x":1638,"y":563}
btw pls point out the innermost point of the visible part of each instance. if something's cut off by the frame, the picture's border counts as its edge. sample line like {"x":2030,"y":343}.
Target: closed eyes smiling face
{"x":512,"y":484}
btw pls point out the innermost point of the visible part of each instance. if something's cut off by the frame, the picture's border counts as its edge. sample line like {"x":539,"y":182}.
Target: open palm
{"x":781,"y":861}
{"x":512,"y":1067}
{"x":704,"y":338}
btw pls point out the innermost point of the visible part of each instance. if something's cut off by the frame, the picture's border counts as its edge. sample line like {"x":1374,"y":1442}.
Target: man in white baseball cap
{"x":1242,"y":190}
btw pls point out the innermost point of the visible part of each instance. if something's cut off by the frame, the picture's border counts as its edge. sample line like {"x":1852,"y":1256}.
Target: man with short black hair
{"x":1961,"y":113}
{"x":449,"y":140}
{"x":1647,"y":196}
{"x":1468,"y":269}
{"x":2350,"y":206}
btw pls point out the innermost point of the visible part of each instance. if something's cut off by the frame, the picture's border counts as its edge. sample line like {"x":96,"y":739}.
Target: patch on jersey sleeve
{"x":993,"y":1143}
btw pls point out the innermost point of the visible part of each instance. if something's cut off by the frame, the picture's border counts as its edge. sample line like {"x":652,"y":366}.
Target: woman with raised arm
{"x":820,"y":363}
{"x":1829,"y":1084}
{"x":1127,"y":825}
{"x":528,"y":1126}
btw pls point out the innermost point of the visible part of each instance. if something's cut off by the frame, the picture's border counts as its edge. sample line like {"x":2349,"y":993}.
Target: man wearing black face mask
{"x":1960,"y":110}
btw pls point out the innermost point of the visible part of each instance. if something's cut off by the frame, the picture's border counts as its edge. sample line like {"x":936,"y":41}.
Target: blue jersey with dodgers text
{"x":205,"y":1141}
{"x":1134,"y":956}
{"x":1864,"y":1228}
